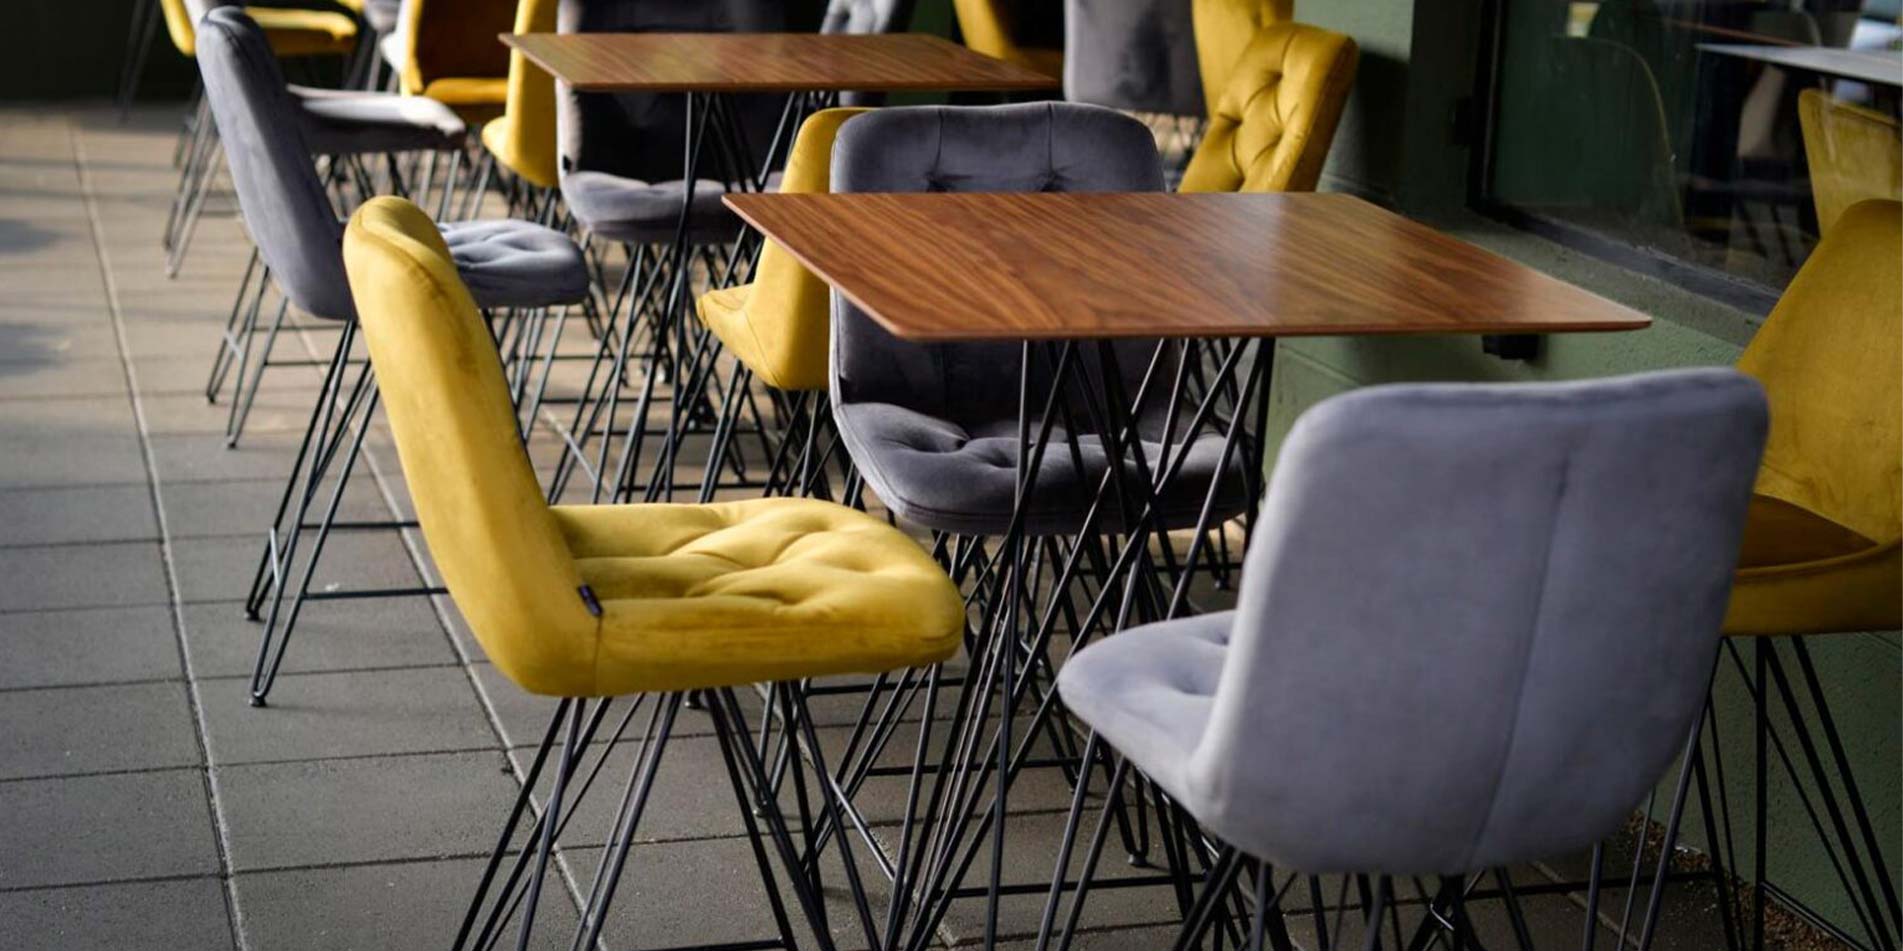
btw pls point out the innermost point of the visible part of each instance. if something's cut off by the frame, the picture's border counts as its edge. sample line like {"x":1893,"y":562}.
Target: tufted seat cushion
{"x":961,"y":477}
{"x":340,"y":122}
{"x":631,"y":210}
{"x":510,"y":263}
{"x":1148,"y":691}
{"x":753,"y":591}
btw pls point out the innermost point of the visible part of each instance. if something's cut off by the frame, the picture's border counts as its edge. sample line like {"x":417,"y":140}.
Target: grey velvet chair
{"x":1138,"y":55}
{"x":1476,"y":623}
{"x":506,"y":264}
{"x":933,"y":428}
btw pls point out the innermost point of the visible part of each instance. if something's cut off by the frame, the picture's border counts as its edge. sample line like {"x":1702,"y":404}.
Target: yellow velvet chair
{"x":451,"y":54}
{"x":1821,"y":543}
{"x":1854,"y":154}
{"x":522,"y":139}
{"x":291,"y":31}
{"x":987,"y":28}
{"x":779,"y":325}
{"x":1223,"y":30}
{"x":1273,"y":123}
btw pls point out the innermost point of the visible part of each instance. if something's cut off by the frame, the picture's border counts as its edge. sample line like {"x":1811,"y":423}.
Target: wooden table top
{"x":1880,"y":67}
{"x":947,"y":267}
{"x":770,"y":62}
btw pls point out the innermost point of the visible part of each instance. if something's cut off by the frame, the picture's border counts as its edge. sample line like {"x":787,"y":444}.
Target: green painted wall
{"x":1397,"y":145}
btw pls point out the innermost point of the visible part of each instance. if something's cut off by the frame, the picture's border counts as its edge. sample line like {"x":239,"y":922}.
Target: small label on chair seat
{"x":588,"y":598}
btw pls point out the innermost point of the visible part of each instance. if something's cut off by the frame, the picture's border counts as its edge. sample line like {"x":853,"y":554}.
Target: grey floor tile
{"x":221,"y":569}
{"x":356,"y":713}
{"x":64,"y":730}
{"x":84,"y":829}
{"x":187,"y":374}
{"x":272,"y":411}
{"x":691,"y":893}
{"x":104,"y":645}
{"x":364,"y":810}
{"x":205,"y":458}
{"x":691,"y":799}
{"x":393,"y":905}
{"x":56,"y":372}
{"x":134,"y":916}
{"x":203,"y":509}
{"x":335,"y":635}
{"x":77,"y":576}
{"x":53,"y":516}
{"x":69,"y":442}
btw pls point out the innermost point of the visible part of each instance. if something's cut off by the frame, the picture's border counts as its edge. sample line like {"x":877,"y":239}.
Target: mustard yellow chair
{"x":602,"y":601}
{"x":989,"y":27}
{"x":1223,"y":30}
{"x":779,"y":325}
{"x":1821,"y":549}
{"x":1854,"y":154}
{"x":522,"y":139}
{"x":1273,"y":123}
{"x":291,"y":31}
{"x":449,"y":51}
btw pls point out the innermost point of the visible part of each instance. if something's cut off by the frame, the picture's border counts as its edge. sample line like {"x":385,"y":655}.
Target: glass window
{"x":1708,"y":134}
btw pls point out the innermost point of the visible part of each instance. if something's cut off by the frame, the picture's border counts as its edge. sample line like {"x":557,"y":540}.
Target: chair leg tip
{"x":258,"y":701}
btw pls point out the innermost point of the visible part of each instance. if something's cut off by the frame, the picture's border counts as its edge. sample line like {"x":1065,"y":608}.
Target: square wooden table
{"x":945,"y":267}
{"x":771,"y":62}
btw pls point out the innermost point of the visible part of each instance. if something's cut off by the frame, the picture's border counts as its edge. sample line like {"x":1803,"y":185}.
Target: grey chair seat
{"x":344,"y":122}
{"x":961,"y":476}
{"x":626,"y":209}
{"x":393,"y":48}
{"x":509,"y":263}
{"x":1149,"y":692}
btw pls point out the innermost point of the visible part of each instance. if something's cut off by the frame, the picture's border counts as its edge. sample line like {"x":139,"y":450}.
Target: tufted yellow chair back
{"x":783,"y":328}
{"x":524,"y":139}
{"x":987,"y":28}
{"x":178,"y":25}
{"x":1830,"y":357}
{"x":1854,"y":153}
{"x":493,"y":537}
{"x":1277,"y":114}
{"x":454,"y":39}
{"x":1223,"y":30}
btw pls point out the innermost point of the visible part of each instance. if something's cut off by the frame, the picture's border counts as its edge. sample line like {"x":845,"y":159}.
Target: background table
{"x":1865,"y":66}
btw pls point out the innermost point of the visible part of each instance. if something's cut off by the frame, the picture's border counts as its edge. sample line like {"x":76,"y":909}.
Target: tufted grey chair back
{"x":1138,"y":55}
{"x":283,"y":201}
{"x":642,"y":135}
{"x":867,"y":16}
{"x":1477,"y":621}
{"x":1033,"y":147}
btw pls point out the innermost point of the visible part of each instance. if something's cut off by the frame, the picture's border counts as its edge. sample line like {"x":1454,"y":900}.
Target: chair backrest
{"x":529,"y":114}
{"x":179,"y":26}
{"x":453,"y":39}
{"x":1223,"y":29}
{"x":1830,"y":356}
{"x":1006,"y":28}
{"x":789,"y":309}
{"x":1033,"y":147}
{"x":1137,"y":55}
{"x":493,"y":537}
{"x":1854,"y":154}
{"x":867,"y":16}
{"x":283,"y":201}
{"x":641,"y":135}
{"x":1476,"y":621}
{"x":1276,"y":117}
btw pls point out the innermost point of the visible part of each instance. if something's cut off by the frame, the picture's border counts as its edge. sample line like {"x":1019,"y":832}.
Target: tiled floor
{"x":143,"y":803}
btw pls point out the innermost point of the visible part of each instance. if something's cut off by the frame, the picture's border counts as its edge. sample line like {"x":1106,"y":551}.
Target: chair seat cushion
{"x":1148,"y":691}
{"x":962,"y":477}
{"x":509,"y":263}
{"x":628,"y":209}
{"x":295,"y":32}
{"x":498,"y":136}
{"x":1801,"y":573}
{"x":338,"y":122}
{"x":755,"y":591}
{"x":477,"y":99}
{"x":393,"y":48}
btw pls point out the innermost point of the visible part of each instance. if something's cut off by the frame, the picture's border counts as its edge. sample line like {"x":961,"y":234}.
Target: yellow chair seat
{"x":477,"y":99}
{"x":498,"y":136}
{"x":305,"y":32}
{"x":792,"y":365}
{"x":1800,"y":573}
{"x":755,"y":591}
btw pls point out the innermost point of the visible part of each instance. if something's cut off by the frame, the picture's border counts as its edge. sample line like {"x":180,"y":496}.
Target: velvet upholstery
{"x":1824,"y":544}
{"x":934,"y":427}
{"x":450,"y":53}
{"x":1223,"y":29}
{"x":779,"y":324}
{"x":1138,"y":55}
{"x":1276,"y":117}
{"x":290,"y":31}
{"x":382,"y":15}
{"x":606,"y":600}
{"x":522,"y":139}
{"x":345,"y":122}
{"x":1854,"y":153}
{"x":1029,"y":33}
{"x":1475,"y":625}
{"x":509,"y":263}
{"x":633,"y":143}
